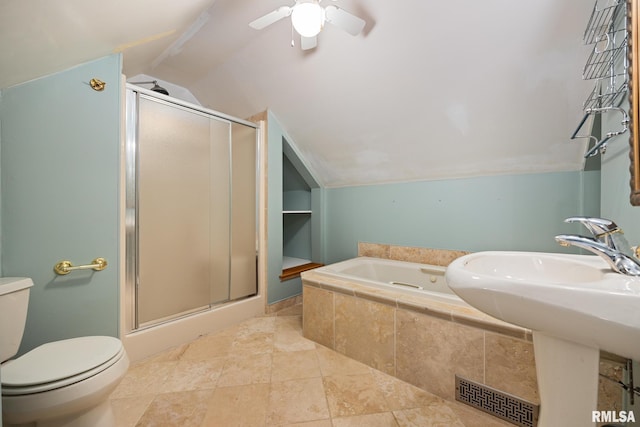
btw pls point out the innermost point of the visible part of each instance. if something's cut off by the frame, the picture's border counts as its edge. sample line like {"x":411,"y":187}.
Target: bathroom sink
{"x":577,"y":298}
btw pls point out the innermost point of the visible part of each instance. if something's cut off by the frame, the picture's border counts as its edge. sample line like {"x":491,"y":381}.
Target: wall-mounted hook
{"x":97,"y":85}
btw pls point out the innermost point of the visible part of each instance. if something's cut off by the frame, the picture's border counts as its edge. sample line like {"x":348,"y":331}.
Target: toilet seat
{"x":59,"y":364}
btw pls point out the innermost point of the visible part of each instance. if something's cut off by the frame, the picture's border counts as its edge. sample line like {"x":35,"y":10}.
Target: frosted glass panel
{"x":219,"y":207}
{"x":174,"y":266}
{"x":243,"y":206}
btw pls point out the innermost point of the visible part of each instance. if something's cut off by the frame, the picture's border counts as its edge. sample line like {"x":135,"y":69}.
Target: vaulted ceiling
{"x":430,"y":89}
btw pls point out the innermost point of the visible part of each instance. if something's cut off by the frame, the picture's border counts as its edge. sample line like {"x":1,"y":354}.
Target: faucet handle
{"x":597,"y":226}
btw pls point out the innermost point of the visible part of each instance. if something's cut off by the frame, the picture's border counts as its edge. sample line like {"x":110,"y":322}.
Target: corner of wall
{"x":1,"y":228}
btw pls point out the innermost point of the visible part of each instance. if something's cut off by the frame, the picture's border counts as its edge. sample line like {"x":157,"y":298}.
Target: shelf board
{"x":292,"y":272}
{"x":296,"y":212}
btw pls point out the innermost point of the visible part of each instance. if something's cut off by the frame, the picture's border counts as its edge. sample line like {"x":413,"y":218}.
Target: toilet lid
{"x":58,"y":360}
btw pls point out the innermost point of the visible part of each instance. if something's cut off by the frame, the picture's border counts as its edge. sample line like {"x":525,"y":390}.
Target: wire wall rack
{"x":608,"y":66}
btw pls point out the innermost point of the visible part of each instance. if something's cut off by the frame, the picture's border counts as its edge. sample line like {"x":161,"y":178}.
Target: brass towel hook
{"x":65,"y":267}
{"x":97,"y":85}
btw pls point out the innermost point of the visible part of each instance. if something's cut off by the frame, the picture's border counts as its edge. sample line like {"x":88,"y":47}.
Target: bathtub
{"x":402,"y":277}
{"x":402,"y":319}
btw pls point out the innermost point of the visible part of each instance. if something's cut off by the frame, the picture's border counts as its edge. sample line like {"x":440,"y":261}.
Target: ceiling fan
{"x":308,"y":18}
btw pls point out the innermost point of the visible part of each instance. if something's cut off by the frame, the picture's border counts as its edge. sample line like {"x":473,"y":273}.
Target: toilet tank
{"x":14,"y":300}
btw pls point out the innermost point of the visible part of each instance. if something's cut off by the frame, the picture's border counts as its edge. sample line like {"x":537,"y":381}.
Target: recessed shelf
{"x":297,"y":219}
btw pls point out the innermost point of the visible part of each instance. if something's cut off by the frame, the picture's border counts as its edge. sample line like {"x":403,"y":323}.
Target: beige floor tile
{"x":215,"y":345}
{"x":128,"y":411}
{"x":332,"y":363}
{"x":185,"y":409}
{"x":289,"y":323}
{"x":291,"y":340}
{"x":430,"y":416}
{"x":385,"y":419}
{"x":144,"y":379}
{"x":262,"y":372}
{"x":252,"y":340}
{"x":472,"y":417}
{"x":295,"y":365}
{"x":297,"y":401}
{"x":316,"y":423}
{"x":240,"y":406}
{"x":194,"y":375}
{"x":350,"y":395}
{"x":257,"y":325}
{"x":402,"y":395}
{"x":246,"y":369}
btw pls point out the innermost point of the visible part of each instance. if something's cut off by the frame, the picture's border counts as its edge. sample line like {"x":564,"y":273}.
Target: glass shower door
{"x":182,"y":211}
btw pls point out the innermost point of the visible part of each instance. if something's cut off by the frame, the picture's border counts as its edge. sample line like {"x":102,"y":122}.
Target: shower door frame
{"x":130,"y":159}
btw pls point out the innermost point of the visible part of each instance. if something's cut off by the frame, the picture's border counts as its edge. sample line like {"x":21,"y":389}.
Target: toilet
{"x":58,"y":384}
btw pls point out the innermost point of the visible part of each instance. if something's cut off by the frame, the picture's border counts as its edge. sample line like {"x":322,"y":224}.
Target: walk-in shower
{"x":191,"y":210}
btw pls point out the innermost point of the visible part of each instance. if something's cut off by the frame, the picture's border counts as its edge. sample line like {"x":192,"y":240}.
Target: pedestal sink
{"x":574,"y":304}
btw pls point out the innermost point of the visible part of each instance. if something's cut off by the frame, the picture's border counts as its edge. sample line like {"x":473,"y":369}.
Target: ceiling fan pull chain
{"x":293,"y":43}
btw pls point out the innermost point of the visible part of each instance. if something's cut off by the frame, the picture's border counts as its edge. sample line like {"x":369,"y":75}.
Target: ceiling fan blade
{"x":307,"y":43}
{"x":271,"y":17}
{"x":344,"y":20}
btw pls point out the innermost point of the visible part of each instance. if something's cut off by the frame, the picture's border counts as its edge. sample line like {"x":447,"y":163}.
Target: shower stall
{"x":191,"y":210}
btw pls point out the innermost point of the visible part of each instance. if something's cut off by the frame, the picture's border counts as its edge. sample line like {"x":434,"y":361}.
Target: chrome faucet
{"x":608,"y":242}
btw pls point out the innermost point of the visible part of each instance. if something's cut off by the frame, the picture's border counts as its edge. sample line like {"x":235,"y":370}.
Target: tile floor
{"x":262,"y":372}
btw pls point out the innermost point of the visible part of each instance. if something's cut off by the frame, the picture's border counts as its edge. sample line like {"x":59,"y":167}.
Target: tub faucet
{"x":608,"y":242}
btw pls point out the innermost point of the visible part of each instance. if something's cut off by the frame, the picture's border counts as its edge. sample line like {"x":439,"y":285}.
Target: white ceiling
{"x":431,"y":90}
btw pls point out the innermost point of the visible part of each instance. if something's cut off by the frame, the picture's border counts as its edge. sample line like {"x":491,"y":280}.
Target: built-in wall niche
{"x":298,"y":220}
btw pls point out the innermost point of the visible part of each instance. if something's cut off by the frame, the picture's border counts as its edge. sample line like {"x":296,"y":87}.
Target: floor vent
{"x":497,"y":403}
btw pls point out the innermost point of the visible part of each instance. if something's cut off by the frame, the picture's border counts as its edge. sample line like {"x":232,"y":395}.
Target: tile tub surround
{"x":441,"y":257}
{"x":426,"y":342}
{"x":416,"y":339}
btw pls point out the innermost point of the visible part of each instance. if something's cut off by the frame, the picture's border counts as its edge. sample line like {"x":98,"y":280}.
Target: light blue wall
{"x":616,"y":191}
{"x":517,"y":212}
{"x":276,"y":290}
{"x":60,"y":149}
{"x":615,"y":203}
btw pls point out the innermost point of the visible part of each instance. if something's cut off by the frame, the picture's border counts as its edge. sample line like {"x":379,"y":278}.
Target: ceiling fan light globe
{"x":307,"y":19}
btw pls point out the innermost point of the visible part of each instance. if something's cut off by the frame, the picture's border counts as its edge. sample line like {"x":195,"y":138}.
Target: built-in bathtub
{"x":423,"y":336}
{"x":401,"y":277}
{"x":374,"y":311}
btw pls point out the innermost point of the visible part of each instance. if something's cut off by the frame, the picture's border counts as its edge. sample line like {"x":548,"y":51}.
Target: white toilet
{"x":62,"y":383}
